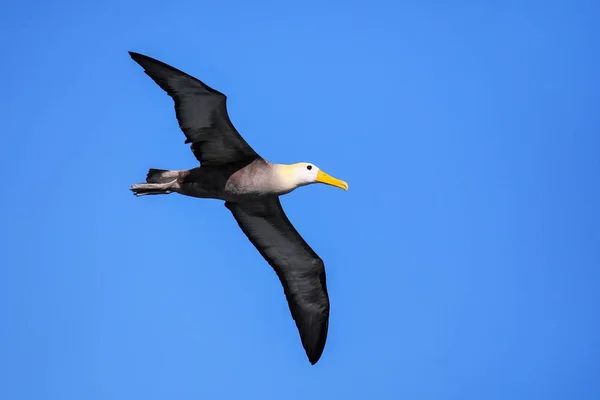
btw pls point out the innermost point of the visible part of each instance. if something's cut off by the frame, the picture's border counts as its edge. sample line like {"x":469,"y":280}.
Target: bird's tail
{"x":161,"y":175}
{"x":158,"y":181}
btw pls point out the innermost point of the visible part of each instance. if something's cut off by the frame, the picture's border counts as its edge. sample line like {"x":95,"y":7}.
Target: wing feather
{"x":300,"y":270}
{"x":201,"y":112}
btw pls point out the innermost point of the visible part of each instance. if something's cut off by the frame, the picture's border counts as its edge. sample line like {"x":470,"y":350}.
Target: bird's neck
{"x":285,"y":177}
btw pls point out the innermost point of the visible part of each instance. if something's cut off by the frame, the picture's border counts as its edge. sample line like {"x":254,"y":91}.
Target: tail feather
{"x":158,"y":181}
{"x":161,"y":175}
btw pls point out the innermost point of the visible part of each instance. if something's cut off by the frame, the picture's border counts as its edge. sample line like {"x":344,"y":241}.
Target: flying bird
{"x":230,"y":170}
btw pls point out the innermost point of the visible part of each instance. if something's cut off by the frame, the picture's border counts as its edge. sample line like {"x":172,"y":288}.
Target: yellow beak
{"x":330,"y":180}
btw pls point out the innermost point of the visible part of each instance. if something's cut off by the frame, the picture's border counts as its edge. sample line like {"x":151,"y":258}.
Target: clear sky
{"x":463,"y":263}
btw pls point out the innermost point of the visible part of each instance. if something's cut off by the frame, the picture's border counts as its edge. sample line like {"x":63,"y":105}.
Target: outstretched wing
{"x":300,"y":270}
{"x":201,"y":112}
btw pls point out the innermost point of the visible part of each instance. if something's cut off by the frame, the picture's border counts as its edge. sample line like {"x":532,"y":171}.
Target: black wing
{"x":201,"y":112}
{"x":300,"y":270}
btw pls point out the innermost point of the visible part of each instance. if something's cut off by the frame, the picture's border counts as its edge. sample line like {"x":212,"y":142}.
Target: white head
{"x":300,"y":174}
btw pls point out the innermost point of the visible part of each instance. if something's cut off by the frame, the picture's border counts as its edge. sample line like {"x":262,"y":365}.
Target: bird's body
{"x":232,"y":171}
{"x":241,"y":181}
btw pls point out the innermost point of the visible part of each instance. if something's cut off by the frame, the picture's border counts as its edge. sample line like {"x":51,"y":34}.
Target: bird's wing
{"x":201,"y":112}
{"x":299,"y":268}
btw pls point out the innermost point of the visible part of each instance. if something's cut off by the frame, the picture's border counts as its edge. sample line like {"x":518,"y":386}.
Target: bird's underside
{"x":230,"y":170}
{"x":201,"y":182}
{"x":236,"y":182}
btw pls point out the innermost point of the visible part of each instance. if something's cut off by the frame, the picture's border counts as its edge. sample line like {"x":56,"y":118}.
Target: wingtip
{"x":314,"y":356}
{"x":314,"y":345}
{"x":134,"y":54}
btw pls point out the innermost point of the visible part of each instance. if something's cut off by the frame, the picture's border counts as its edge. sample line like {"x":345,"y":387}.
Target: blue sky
{"x":462,"y":263}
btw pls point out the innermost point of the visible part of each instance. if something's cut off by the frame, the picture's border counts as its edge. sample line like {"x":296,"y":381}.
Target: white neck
{"x":285,"y":177}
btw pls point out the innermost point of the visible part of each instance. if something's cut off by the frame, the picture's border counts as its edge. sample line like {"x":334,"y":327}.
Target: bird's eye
{"x":309,"y":167}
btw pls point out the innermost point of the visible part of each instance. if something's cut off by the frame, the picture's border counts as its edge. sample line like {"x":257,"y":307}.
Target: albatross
{"x":230,"y":170}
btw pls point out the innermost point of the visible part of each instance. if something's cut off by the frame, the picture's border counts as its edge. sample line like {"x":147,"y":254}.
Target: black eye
{"x":309,"y":167}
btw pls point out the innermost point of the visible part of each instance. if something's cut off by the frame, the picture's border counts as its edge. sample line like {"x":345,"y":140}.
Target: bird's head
{"x":301,"y":174}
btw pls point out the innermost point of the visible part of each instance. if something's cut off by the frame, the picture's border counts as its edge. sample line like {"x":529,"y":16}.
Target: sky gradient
{"x":463,"y":263}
